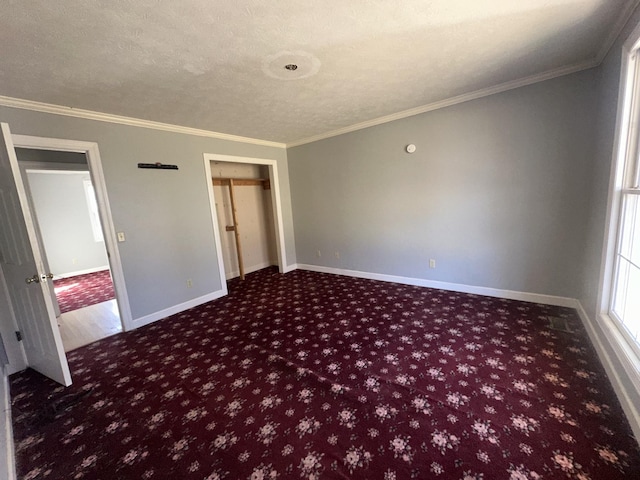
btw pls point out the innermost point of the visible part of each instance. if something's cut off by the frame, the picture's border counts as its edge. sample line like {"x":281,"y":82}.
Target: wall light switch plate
{"x":121,"y":237}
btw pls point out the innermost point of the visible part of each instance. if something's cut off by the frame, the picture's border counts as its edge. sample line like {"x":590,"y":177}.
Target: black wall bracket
{"x":158,"y":165}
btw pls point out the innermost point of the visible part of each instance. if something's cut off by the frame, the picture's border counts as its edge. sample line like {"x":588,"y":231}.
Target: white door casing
{"x":21,"y":259}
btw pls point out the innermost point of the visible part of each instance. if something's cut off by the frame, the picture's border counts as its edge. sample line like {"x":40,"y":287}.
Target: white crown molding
{"x":133,"y":122}
{"x":624,"y":18}
{"x":484,"y":92}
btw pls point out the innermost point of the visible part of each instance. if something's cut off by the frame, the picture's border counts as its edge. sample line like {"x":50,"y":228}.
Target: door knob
{"x":34,"y":279}
{"x":45,"y":276}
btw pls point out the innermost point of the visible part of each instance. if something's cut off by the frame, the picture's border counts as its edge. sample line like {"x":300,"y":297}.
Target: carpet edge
{"x":7,"y":448}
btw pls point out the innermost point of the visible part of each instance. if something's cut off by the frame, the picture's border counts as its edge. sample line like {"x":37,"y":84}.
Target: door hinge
{"x":19,"y":335}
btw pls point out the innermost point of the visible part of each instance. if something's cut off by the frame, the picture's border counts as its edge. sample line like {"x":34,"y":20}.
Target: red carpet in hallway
{"x":315,"y":376}
{"x":83,"y":290}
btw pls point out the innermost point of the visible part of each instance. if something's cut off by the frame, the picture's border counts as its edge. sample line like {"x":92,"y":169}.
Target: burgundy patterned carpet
{"x":83,"y":290}
{"x":314,"y":376}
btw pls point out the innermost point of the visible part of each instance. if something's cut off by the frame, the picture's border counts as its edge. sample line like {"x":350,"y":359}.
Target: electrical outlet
{"x":337,"y":254}
{"x":189,"y":283}
{"x":319,"y":254}
{"x":432,"y":263}
{"x":74,"y":261}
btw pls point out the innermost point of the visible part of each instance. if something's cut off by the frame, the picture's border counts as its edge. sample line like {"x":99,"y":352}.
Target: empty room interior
{"x":343,"y":240}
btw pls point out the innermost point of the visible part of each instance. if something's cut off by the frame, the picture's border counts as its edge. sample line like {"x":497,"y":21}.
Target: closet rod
{"x":241,"y":182}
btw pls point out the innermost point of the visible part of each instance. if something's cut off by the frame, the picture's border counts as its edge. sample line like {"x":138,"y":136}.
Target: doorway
{"x":245,"y":217}
{"x":269,"y":247}
{"x":67,"y":222}
{"x":102,"y":319}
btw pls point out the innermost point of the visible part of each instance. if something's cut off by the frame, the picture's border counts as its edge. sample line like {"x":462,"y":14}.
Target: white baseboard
{"x":289,"y":268}
{"x":139,"y":322}
{"x":454,"y":287}
{"x":7,"y":449}
{"x":629,"y":361}
{"x":81,"y":272}
{"x":248,"y":270}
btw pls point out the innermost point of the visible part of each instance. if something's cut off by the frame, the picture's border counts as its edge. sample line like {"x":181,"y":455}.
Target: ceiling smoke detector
{"x":287,"y":65}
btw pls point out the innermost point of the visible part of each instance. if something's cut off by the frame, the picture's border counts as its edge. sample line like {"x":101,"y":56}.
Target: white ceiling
{"x":219,"y":65}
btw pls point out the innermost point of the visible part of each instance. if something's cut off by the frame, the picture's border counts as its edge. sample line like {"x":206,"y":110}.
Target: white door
{"x":43,"y":251}
{"x":21,"y":259}
{"x":45,"y":266}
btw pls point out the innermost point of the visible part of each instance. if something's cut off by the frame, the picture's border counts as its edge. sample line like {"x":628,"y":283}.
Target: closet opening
{"x":244,"y":210}
{"x":252,"y":237}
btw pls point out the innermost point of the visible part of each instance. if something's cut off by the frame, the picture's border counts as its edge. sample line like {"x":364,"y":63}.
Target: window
{"x":93,"y":211}
{"x":624,"y":306}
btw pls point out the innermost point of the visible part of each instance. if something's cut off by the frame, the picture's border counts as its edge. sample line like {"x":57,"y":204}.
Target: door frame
{"x":275,"y":202}
{"x":94,"y":162}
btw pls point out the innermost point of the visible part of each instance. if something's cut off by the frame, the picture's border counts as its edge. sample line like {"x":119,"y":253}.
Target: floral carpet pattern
{"x":83,"y":290}
{"x":316,"y":376}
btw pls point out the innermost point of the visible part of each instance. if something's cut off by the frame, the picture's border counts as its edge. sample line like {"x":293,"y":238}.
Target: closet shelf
{"x":243,"y":182}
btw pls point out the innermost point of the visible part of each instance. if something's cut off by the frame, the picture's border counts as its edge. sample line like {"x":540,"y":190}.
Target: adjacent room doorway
{"x":63,"y":201}
{"x":41,"y":346}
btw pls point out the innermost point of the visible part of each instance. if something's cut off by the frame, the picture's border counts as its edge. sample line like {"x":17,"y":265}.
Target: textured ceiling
{"x":219,"y":65}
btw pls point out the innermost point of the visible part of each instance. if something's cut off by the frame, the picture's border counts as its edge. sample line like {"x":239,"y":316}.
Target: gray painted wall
{"x":63,"y":216}
{"x":165,"y":214}
{"x":494,"y":192}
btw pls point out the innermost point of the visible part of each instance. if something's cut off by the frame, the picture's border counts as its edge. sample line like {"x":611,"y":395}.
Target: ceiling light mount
{"x":291,"y":65}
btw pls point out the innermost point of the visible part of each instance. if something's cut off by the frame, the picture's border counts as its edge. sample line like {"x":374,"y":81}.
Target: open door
{"x":43,"y":252}
{"x":27,"y":280}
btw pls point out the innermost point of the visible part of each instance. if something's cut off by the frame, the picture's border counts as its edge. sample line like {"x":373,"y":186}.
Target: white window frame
{"x":626,"y":144}
{"x":630,"y":168}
